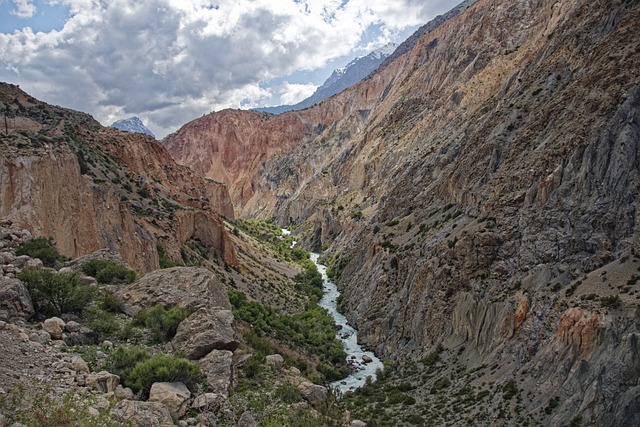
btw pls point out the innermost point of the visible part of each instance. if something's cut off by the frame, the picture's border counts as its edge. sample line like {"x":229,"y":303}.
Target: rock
{"x":208,"y":402}
{"x":188,"y":287}
{"x":216,"y":367}
{"x":33,"y":263}
{"x":358,"y":423}
{"x":207,"y":419}
{"x":103,"y":381}
{"x":107,"y":344}
{"x":21,"y":261}
{"x":72,"y":326}
{"x":40,"y":336}
{"x":66,"y":270}
{"x":15,"y":301}
{"x":274,"y":360}
{"x":203,"y":331}
{"x":312,"y":393}
{"x":172,"y":395}
{"x":93,"y":412}
{"x":84,"y":336}
{"x":124,"y":393}
{"x":247,"y":420}
{"x":143,"y":413}
{"x":366,"y":359}
{"x":55,"y":327}
{"x":78,"y":364}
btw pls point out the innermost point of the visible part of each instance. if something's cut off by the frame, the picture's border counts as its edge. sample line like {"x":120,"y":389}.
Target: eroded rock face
{"x":98,"y":211}
{"x":188,"y":287}
{"x":103,"y":381}
{"x":204,"y":331}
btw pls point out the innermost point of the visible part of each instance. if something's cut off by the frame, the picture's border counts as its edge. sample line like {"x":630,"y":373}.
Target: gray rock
{"x":275,"y":360}
{"x":72,"y":326}
{"x":151,"y":414}
{"x":78,"y":364}
{"x":172,"y":395}
{"x":15,"y":301}
{"x":103,"y":381}
{"x":312,"y":393}
{"x":358,"y":423}
{"x":55,"y":327}
{"x":40,"y":336}
{"x":208,"y":402}
{"x":203,"y":331}
{"x":123,"y":392}
{"x":247,"y":420}
{"x":21,"y":261}
{"x":216,"y":367}
{"x":177,"y":287}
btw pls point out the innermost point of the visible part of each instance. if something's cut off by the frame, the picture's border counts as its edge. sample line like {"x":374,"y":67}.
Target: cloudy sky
{"x":170,"y":61}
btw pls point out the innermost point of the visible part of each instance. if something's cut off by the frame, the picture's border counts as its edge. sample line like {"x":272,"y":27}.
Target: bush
{"x":611,"y":301}
{"x":162,"y":368}
{"x":111,"y":303}
{"x":288,"y":393}
{"x":108,"y":272}
{"x":53,"y":294}
{"x":163,"y":258}
{"x":161,"y":323}
{"x":123,"y":359}
{"x":41,"y":248}
{"x":100,"y":321}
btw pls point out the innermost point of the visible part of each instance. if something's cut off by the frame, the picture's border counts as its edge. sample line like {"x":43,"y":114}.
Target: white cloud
{"x":292,"y":93}
{"x":170,"y":61}
{"x":24,"y":9}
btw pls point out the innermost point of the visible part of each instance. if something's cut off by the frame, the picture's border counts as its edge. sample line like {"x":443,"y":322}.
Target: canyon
{"x":478,"y":192}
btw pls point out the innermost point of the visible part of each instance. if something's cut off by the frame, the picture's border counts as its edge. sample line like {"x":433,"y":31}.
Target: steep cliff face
{"x":62,"y":175}
{"x":480,"y":191}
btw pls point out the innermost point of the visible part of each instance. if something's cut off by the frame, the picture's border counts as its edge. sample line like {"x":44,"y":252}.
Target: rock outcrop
{"x":64,"y":176}
{"x":204,"y":331}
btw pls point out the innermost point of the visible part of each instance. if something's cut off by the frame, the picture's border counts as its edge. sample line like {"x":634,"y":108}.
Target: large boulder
{"x":55,"y":327}
{"x":204,"y":331}
{"x":172,"y":395}
{"x":15,"y":301}
{"x":247,"y":420}
{"x":152,"y":414}
{"x":312,"y":393}
{"x":188,"y":287}
{"x":217,"y":368}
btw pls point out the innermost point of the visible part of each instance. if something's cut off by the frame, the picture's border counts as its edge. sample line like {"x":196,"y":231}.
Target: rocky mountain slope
{"x":132,"y":124}
{"x":62,"y":175}
{"x":340,"y":79}
{"x":479,"y":193}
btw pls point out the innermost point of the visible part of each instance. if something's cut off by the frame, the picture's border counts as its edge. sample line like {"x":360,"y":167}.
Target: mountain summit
{"x":340,"y":79}
{"x":132,"y":124}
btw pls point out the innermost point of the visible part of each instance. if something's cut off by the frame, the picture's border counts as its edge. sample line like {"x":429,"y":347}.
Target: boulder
{"x":40,"y":336}
{"x":72,"y":326}
{"x":247,"y":420}
{"x":142,"y":413}
{"x":124,"y":393}
{"x":55,"y":327}
{"x":103,"y":381}
{"x":208,"y":402}
{"x":274,"y":360}
{"x":78,"y":364}
{"x":188,"y":287}
{"x":312,"y":393}
{"x":203,"y":331}
{"x":366,"y":359}
{"x":216,"y":367}
{"x":15,"y":301}
{"x":358,"y":423}
{"x":172,"y":395}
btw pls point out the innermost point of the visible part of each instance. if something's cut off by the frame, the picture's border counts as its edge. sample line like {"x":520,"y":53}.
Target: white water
{"x":348,"y":335}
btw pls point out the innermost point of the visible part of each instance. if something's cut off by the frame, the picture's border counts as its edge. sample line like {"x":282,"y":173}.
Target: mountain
{"x":64,"y":176}
{"x":340,"y":79}
{"x":478,"y":198}
{"x":132,"y":124}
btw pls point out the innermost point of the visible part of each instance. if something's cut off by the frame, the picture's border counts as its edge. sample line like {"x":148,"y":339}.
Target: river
{"x":349,"y":337}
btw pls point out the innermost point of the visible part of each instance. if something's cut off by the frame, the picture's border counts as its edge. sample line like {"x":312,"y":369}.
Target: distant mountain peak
{"x":341,"y":79}
{"x":132,"y":124}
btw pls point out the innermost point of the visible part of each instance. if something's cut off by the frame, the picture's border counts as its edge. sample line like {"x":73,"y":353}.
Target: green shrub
{"x":41,"y":248}
{"x":611,"y":301}
{"x":162,"y":368}
{"x":162,"y":323}
{"x":100,"y":321}
{"x":111,"y":303}
{"x":288,"y":393}
{"x":53,"y":294}
{"x":510,"y":389}
{"x":123,"y":359}
{"x":108,"y":272}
